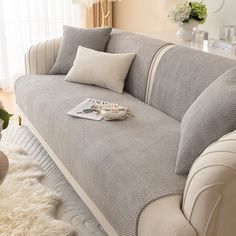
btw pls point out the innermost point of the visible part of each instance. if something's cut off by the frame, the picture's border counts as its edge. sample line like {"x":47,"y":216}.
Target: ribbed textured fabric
{"x":40,"y":58}
{"x":95,"y":39}
{"x":210,"y":117}
{"x":182,"y":75}
{"x":72,"y":209}
{"x":123,"y":165}
{"x":145,"y":49}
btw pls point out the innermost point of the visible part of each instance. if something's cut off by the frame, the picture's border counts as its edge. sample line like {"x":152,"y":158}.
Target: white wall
{"x":151,"y":15}
{"x":224,"y":15}
{"x":144,"y":15}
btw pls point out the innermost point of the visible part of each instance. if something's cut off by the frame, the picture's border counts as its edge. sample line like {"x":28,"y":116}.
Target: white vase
{"x":185,"y":30}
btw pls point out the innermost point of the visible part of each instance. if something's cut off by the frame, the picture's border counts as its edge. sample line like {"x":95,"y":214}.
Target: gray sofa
{"x":125,"y":171}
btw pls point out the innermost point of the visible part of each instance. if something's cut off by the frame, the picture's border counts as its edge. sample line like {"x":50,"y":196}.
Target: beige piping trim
{"x":209,"y":152}
{"x":220,"y":141}
{"x":198,"y":171}
{"x":214,"y":152}
{"x":212,"y":214}
{"x":54,"y":49}
{"x":152,"y":71}
{"x":45,"y":56}
{"x":198,"y":195}
{"x":37,"y":59}
{"x":30,"y":70}
{"x":26,"y":67}
{"x":206,"y":154}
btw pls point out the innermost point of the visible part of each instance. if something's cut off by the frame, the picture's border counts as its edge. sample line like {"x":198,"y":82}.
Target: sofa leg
{"x":19,"y":120}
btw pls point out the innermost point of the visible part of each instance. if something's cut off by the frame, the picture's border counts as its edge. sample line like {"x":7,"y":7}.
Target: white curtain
{"x":26,"y":22}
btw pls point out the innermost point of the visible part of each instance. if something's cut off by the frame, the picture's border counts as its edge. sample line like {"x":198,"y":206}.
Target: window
{"x":26,"y":22}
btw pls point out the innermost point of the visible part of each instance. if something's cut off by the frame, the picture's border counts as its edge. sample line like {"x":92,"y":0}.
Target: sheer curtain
{"x":26,"y":22}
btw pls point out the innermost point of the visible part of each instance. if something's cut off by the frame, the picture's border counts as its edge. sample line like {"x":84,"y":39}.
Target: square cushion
{"x":73,"y":38}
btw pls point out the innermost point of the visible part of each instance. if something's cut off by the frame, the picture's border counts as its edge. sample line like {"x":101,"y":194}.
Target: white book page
{"x":86,"y":104}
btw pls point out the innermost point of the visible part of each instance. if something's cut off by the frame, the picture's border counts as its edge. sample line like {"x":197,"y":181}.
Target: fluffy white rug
{"x":27,"y":208}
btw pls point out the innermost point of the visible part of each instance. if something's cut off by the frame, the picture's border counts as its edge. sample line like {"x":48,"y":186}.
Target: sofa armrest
{"x":209,"y":201}
{"x":40,"y":58}
{"x":164,"y":217}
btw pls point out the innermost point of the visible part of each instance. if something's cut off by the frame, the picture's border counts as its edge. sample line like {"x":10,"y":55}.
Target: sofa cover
{"x":145,"y":49}
{"x":182,"y":75}
{"x":123,"y":166}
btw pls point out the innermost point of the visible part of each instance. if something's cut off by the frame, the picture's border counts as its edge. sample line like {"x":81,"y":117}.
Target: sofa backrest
{"x":145,"y":49}
{"x":182,"y":74}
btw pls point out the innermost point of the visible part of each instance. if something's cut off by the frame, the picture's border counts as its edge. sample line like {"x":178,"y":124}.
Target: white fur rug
{"x":27,"y":208}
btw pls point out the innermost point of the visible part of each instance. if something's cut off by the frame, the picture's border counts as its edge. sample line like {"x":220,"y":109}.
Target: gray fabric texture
{"x":71,"y":209}
{"x":73,"y":38}
{"x":107,"y":70}
{"x":210,"y":117}
{"x":182,"y":75}
{"x":145,"y":49}
{"x":123,"y":165}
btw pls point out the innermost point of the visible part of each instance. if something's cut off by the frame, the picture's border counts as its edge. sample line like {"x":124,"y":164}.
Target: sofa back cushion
{"x":145,"y":49}
{"x":210,"y":117}
{"x":182,"y":75}
{"x":73,"y":37}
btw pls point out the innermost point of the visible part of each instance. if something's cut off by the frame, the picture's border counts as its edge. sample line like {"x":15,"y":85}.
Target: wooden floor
{"x":8,"y":101}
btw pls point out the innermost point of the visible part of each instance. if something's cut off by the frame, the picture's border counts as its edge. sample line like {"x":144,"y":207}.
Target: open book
{"x":85,"y":109}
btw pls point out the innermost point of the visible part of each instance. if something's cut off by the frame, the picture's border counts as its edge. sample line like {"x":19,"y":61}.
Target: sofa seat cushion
{"x":123,"y":166}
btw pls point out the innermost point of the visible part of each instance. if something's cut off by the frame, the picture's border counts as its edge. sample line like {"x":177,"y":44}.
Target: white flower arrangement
{"x":186,"y":11}
{"x":180,"y":13}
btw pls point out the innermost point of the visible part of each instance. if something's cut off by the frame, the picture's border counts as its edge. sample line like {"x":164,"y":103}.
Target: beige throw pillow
{"x":102,"y":69}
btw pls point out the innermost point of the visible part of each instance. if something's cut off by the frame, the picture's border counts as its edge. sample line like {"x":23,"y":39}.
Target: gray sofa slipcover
{"x":123,"y":167}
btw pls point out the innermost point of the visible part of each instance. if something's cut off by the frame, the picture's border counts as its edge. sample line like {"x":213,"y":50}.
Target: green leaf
{"x":5,"y":116}
{"x":198,"y":12}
